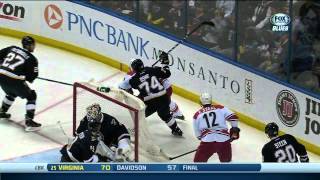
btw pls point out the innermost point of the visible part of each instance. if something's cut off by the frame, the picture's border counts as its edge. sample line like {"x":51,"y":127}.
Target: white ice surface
{"x":55,"y":104}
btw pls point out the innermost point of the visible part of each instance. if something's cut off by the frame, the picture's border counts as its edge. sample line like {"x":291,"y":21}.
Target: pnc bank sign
{"x":53,"y":16}
{"x":82,"y":24}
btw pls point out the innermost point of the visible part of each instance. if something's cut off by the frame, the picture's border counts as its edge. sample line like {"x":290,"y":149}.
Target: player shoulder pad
{"x":217,"y":106}
{"x":114,"y":122}
{"x":165,"y":68}
{"x":289,"y":136}
{"x":84,"y":119}
{"x":110,"y":119}
{"x":195,"y":116}
{"x":131,"y":73}
{"x":81,"y":135}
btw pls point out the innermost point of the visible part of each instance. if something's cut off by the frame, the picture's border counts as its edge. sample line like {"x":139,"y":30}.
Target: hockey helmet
{"x":94,"y":112}
{"x":205,"y":99}
{"x":27,"y":41}
{"x":137,"y":65}
{"x":271,"y":129}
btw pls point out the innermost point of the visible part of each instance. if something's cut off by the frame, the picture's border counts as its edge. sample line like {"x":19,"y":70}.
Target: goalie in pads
{"x":210,"y":127}
{"x":96,"y":135}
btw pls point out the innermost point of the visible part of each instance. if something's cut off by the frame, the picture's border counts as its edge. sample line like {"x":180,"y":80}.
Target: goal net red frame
{"x":147,"y":150}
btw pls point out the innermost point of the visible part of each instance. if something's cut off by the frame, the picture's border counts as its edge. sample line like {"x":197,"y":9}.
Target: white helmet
{"x":205,"y":98}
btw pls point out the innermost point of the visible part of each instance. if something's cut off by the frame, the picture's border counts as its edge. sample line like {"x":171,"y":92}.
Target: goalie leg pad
{"x":105,"y":151}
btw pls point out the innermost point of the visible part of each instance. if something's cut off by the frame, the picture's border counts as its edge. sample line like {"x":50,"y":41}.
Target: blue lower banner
{"x":155,"y":167}
{"x":160,"y":176}
{"x":159,"y":168}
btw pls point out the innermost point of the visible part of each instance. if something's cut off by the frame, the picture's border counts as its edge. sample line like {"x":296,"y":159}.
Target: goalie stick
{"x":209,"y":23}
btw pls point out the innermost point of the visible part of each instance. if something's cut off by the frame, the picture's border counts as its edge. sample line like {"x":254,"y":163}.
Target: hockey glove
{"x":304,"y":159}
{"x":164,"y":58}
{"x":234,"y":133}
{"x":123,"y":151}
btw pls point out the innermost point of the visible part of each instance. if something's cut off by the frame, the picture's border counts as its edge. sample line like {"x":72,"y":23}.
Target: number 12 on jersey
{"x":211,"y":116}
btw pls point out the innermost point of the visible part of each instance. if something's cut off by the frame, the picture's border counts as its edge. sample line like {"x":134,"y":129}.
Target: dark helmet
{"x":94,"y":117}
{"x":137,"y":65}
{"x":27,"y":41}
{"x":271,"y":129}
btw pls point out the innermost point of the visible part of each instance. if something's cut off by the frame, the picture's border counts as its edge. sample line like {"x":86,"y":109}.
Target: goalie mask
{"x":205,"y":99}
{"x":94,"y":112}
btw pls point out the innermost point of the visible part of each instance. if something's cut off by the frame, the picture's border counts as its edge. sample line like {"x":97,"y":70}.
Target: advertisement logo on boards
{"x":53,"y":16}
{"x":248,"y":91}
{"x":312,"y":116}
{"x":88,"y":25}
{"x":11,"y":12}
{"x":287,"y":108}
{"x":208,"y":74}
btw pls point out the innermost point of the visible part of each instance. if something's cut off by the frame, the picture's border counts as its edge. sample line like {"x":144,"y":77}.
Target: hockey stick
{"x":209,"y":23}
{"x":61,"y":128}
{"x":64,"y":83}
{"x":175,"y":157}
{"x":69,"y":139}
{"x":60,"y":82}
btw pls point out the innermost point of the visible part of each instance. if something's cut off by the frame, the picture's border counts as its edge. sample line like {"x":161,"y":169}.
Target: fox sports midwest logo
{"x":280,"y":22}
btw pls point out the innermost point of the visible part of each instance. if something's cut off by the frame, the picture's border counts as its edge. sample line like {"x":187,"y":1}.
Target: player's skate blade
{"x":32,"y":126}
{"x":180,"y":117}
{"x":177,"y":132}
{"x":4,"y":115}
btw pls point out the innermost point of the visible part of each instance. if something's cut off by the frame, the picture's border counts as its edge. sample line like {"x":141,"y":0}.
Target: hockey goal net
{"x":127,"y":109}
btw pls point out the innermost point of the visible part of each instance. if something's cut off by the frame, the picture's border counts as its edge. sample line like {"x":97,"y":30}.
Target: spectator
{"x":156,"y":15}
{"x":305,"y":62}
{"x":226,"y":6}
{"x":304,"y":28}
{"x":261,"y":15}
{"x":220,"y":37}
{"x":175,"y":20}
{"x":197,"y":16}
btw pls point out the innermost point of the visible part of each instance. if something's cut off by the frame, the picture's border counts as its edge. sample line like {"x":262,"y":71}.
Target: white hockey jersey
{"x":125,"y":83}
{"x":210,"y":123}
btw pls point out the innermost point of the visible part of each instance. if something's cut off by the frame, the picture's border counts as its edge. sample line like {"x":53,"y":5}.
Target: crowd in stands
{"x":242,"y":31}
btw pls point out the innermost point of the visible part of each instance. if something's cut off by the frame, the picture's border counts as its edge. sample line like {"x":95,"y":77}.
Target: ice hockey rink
{"x":54,"y":111}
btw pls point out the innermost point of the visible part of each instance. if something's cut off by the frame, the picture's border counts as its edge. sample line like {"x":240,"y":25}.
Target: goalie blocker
{"x":210,"y":127}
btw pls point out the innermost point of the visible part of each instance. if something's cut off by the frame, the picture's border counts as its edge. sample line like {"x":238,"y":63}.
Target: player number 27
{"x":12,"y":61}
{"x":210,"y":116}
